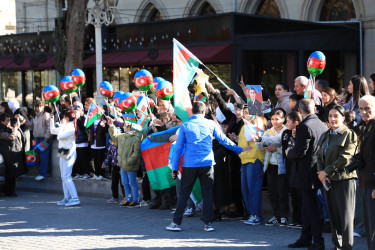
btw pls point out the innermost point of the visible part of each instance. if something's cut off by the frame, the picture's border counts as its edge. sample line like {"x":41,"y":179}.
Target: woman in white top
{"x":66,"y":135}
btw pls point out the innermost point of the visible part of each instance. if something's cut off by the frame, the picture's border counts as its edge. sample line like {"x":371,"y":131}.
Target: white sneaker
{"x":85,"y":176}
{"x":62,"y":202}
{"x":99,"y":178}
{"x":94,"y":177}
{"x":355,"y":234}
{"x":188,"y":212}
{"x":173,"y":227}
{"x":39,"y":178}
{"x":73,"y":202}
{"x":77,"y":176}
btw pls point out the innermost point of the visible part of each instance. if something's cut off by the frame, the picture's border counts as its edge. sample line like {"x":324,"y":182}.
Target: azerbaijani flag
{"x":92,"y":114}
{"x":184,"y":68}
{"x":130,"y":118}
{"x":142,"y":104}
{"x":309,"y":88}
{"x":266,"y":111}
{"x":155,"y":156}
{"x":111,"y":108}
{"x":143,"y":121}
{"x":42,"y":146}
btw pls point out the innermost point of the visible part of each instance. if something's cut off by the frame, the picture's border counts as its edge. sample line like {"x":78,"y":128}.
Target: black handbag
{"x":2,"y":171}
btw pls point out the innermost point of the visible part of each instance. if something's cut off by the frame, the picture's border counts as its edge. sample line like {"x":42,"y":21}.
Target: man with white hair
{"x":300,"y":84}
{"x":366,"y":165}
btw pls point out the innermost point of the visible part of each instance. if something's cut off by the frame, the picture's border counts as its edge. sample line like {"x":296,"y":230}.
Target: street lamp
{"x":98,"y":15}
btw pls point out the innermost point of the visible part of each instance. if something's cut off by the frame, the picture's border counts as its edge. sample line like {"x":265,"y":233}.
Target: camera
{"x":355,"y":163}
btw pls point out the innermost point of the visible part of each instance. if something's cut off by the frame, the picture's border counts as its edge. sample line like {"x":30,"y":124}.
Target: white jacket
{"x":65,"y":135}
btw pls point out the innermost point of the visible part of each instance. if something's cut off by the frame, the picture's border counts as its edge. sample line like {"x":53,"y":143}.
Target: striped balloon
{"x":116,"y":96}
{"x":106,"y":89}
{"x":143,"y":80}
{"x":32,"y":159}
{"x":51,"y":93}
{"x":156,"y":80}
{"x":78,"y":77}
{"x":127,"y":102}
{"x":316,"y":63}
{"x":164,"y":90}
{"x":67,"y":84}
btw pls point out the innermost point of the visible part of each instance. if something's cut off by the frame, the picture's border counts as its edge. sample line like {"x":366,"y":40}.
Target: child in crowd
{"x":112,"y":161}
{"x":287,"y":140}
{"x":129,"y":152}
{"x":274,"y":166}
{"x":252,"y":170}
{"x":293,"y":101}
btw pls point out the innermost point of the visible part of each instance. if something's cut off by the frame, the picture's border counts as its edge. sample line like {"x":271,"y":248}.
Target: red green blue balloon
{"x":78,"y":77}
{"x":143,"y":80}
{"x":67,"y":84}
{"x":316,"y":63}
{"x":156,"y":80}
{"x":116,"y":96}
{"x":106,"y":89}
{"x":32,"y":159}
{"x":51,"y":93}
{"x":127,"y":102}
{"x":164,"y":90}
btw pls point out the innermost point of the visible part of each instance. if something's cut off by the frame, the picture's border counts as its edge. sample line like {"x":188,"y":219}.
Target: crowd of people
{"x":315,"y":152}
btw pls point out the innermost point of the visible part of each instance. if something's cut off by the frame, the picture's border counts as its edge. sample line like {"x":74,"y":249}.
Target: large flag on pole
{"x":155,"y":156}
{"x":184,"y":68}
{"x":92,"y":114}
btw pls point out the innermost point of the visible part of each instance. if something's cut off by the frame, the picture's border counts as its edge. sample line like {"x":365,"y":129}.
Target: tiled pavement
{"x":33,"y":221}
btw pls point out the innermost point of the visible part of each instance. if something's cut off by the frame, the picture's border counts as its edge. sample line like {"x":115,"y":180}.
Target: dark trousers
{"x":99,"y":156}
{"x":311,"y":221}
{"x":116,"y":179}
{"x":278,"y":191}
{"x":369,"y":209}
{"x":235,"y":181}
{"x":82,"y":166}
{"x":295,"y":194}
{"x":340,"y":203}
{"x":146,"y":188}
{"x":10,"y":185}
{"x":188,"y":178}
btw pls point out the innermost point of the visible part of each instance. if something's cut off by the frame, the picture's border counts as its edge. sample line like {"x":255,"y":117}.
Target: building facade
{"x":267,"y":41}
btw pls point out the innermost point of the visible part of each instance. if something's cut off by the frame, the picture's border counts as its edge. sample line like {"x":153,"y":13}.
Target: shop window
{"x":337,"y":10}
{"x":268,"y":8}
{"x":11,"y":86}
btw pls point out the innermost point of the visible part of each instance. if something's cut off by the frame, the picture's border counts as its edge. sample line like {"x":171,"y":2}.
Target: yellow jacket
{"x":252,"y":155}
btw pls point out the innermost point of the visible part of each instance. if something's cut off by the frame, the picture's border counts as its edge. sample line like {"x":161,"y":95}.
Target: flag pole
{"x":218,"y":78}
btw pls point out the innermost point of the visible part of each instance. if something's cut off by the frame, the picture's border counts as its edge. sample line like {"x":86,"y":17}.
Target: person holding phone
{"x":336,"y":146}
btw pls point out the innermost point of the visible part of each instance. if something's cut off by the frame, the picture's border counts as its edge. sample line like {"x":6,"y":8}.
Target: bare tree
{"x":75,"y":27}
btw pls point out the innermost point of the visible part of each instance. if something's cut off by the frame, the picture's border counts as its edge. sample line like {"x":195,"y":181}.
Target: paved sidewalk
{"x":34,"y":221}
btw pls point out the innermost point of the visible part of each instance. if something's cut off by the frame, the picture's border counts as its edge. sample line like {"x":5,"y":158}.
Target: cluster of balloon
{"x":164,"y":90}
{"x":32,"y":159}
{"x":67,"y":84}
{"x":106,"y":89}
{"x":157,"y":80}
{"x":143,"y":80}
{"x":78,"y":77}
{"x":127,"y":102}
{"x":116,"y":97}
{"x":316,"y":63}
{"x":51,"y":93}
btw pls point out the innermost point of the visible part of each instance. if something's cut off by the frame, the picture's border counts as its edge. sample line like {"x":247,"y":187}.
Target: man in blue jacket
{"x":195,"y":136}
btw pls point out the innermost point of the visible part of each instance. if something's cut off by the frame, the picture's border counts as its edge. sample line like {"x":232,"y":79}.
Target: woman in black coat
{"x":329,"y":101}
{"x":12,"y":149}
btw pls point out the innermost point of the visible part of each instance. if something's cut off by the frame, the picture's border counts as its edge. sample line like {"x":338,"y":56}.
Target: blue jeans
{"x":251,"y":185}
{"x":129,"y":181}
{"x":43,"y":158}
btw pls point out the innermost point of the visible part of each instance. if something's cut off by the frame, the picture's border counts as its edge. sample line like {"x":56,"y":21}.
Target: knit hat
{"x":13,"y":104}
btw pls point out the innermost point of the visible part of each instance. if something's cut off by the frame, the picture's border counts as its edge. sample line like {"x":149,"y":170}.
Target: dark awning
{"x":30,"y":63}
{"x":210,"y":54}
{"x":4,"y":62}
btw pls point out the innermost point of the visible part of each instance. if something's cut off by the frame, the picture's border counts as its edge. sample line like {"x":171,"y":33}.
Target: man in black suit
{"x":304,"y":151}
{"x":255,"y":106}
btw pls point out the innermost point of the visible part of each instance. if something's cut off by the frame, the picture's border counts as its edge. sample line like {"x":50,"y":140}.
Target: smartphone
{"x":327,"y":185}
